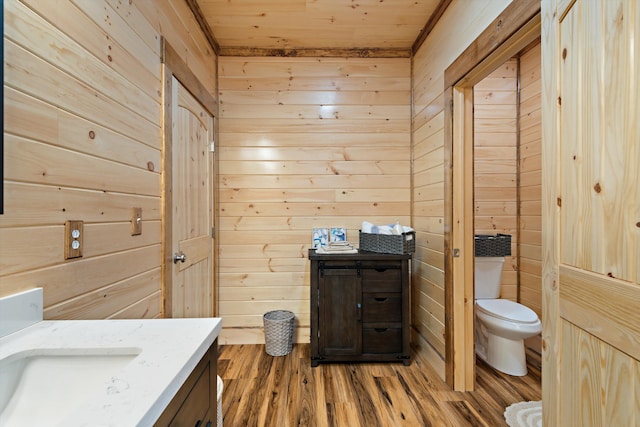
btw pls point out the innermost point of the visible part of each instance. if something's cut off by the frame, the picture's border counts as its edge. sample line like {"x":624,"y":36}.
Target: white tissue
{"x":370,"y":228}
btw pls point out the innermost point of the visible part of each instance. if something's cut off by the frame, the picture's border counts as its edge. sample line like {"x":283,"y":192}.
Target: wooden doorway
{"x":188,"y":190}
{"x":508,"y":34}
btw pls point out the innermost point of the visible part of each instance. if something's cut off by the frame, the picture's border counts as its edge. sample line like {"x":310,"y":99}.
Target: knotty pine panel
{"x":322,"y":68}
{"x":497,"y":164}
{"x":175,"y":22}
{"x":591,"y":261}
{"x":41,"y":205}
{"x":70,"y":131}
{"x":438,"y":51}
{"x":291,"y":138}
{"x":53,"y":86}
{"x":530,"y":234}
{"x":150,"y":307}
{"x":311,"y":181}
{"x":425,"y":147}
{"x":89,"y":274}
{"x":94,"y":72}
{"x":313,"y":209}
{"x":297,"y":97}
{"x":254,"y":280}
{"x":303,"y":143}
{"x":104,"y":45}
{"x":313,"y":153}
{"x":37,"y":163}
{"x":83,"y":142}
{"x":117,"y":295}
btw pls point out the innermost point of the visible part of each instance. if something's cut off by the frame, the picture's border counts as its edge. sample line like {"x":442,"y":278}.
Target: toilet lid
{"x":507,"y":310}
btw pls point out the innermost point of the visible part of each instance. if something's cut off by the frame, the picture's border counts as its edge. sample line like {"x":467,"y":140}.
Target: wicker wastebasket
{"x":219,"y":396}
{"x":278,"y":332}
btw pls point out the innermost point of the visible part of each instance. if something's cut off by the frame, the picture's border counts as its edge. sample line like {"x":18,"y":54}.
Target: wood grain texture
{"x":512,"y":19}
{"x":294,"y":26}
{"x":304,"y":143}
{"x":530,"y":180}
{"x":590,"y":264}
{"x":495,"y":170}
{"x":261,"y":390}
{"x":83,"y":141}
{"x":431,"y":203}
{"x":551,"y":198}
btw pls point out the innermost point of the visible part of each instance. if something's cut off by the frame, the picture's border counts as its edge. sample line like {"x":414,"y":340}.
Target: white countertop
{"x":169,"y":349}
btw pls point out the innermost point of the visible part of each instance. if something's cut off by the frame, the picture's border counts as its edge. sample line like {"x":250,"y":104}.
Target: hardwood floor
{"x":261,"y":390}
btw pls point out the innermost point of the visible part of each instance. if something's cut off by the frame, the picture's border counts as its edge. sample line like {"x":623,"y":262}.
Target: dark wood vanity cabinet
{"x":359,"y":308}
{"x":196,"y":403}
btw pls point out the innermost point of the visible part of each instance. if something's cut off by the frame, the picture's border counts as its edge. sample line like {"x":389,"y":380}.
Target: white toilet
{"x":501,"y":325}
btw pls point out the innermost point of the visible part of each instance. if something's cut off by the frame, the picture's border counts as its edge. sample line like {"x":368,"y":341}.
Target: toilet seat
{"x":507,"y":310}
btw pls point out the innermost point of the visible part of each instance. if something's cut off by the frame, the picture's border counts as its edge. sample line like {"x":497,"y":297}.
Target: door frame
{"x":174,"y":66}
{"x":514,"y":29}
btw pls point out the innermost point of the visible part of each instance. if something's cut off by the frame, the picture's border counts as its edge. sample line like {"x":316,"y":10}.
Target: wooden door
{"x":340,"y":313}
{"x":591,"y":212}
{"x":192,"y":281}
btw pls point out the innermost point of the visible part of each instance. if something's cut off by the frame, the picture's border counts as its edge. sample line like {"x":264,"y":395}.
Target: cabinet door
{"x":340,"y":312}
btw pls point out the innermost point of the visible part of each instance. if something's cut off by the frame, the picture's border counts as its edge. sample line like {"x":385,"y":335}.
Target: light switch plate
{"x":73,"y":236}
{"x":136,"y":221}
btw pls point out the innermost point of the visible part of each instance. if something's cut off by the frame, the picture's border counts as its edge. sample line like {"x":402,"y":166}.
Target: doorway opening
{"x":470,"y":69}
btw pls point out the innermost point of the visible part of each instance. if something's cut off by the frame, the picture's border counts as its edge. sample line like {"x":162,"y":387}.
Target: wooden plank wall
{"x":495,"y":157}
{"x":438,"y":51}
{"x":304,"y":142}
{"x":530,"y":182}
{"x":82,"y":142}
{"x":591,"y":212}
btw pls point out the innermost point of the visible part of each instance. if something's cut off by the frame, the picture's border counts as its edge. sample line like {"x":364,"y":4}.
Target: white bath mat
{"x":524,"y":414}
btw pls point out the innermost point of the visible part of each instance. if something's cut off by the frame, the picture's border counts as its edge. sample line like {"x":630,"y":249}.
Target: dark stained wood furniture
{"x":196,"y":403}
{"x":359,"y":308}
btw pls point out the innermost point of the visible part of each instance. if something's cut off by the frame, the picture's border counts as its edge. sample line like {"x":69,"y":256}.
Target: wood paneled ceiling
{"x":317,"y":27}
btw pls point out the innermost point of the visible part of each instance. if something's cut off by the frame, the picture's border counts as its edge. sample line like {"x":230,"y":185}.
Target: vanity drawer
{"x":196,"y":405}
{"x":382,"y":307}
{"x":381,"y":340}
{"x":381,"y":279}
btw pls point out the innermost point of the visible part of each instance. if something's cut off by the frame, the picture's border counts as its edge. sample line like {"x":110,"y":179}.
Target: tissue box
{"x":401,"y":244}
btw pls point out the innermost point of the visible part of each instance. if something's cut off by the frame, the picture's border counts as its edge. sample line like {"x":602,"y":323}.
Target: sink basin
{"x":55,"y":381}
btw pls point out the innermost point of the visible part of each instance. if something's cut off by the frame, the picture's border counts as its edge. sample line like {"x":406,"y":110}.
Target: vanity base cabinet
{"x":196,"y":403}
{"x":359,"y":308}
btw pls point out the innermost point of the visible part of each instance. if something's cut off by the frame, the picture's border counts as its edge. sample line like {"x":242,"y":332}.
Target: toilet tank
{"x":488,"y":271}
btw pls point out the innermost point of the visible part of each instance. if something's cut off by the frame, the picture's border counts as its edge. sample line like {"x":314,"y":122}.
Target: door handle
{"x":180,"y":256}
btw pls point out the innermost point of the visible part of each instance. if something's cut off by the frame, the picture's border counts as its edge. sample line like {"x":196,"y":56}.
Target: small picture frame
{"x":319,"y":237}
{"x":338,"y":234}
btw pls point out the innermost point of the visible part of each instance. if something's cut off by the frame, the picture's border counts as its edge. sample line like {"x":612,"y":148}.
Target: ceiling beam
{"x":204,"y":26}
{"x":316,"y":53}
{"x":431,"y":23}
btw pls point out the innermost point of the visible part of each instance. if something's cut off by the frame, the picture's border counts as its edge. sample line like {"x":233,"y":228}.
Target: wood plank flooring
{"x":261,"y":390}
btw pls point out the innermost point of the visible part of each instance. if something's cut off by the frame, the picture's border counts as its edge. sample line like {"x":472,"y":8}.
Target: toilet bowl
{"x":501,"y":328}
{"x":501,"y":325}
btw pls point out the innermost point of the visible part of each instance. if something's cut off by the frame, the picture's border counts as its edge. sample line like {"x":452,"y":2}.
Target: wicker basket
{"x":487,"y":245}
{"x":404,"y":243}
{"x":278,"y":332}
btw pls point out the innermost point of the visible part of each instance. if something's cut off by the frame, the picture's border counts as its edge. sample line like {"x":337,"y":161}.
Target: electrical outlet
{"x":136,"y":221}
{"x":73,"y":234}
